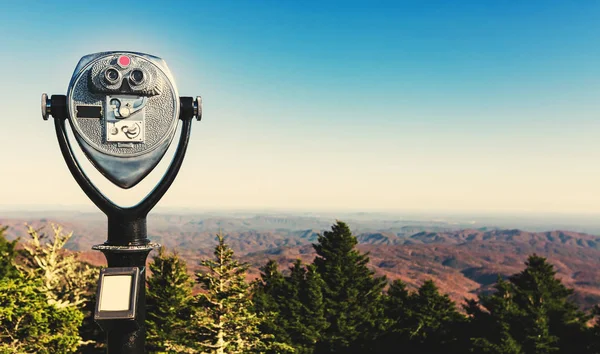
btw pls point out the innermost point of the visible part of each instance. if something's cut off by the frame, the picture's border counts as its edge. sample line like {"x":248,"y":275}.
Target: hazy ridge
{"x":463,"y":256}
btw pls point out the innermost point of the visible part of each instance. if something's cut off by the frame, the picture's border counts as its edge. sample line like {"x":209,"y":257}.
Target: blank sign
{"x":115,"y":293}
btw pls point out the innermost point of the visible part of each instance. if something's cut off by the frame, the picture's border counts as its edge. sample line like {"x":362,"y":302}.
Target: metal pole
{"x":128,"y":246}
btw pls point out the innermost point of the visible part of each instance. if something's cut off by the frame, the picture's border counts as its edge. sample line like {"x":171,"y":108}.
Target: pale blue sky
{"x":421,"y":105}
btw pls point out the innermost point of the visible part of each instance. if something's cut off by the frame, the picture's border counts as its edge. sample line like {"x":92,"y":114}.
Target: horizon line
{"x":84,"y":208}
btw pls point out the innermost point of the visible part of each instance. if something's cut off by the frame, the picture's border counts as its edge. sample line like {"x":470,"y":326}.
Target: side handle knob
{"x":190,"y":108}
{"x":198,"y":108}
{"x":46,"y":107}
{"x":55,"y":106}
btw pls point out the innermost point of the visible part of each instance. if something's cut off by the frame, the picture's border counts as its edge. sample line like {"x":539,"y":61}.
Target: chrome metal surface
{"x":124,"y":172}
{"x":138,"y":121}
{"x":137,"y":77}
{"x":198,"y":108}
{"x":147,"y":247}
{"x":46,"y":106}
{"x":112,"y":75}
{"x":124,"y":118}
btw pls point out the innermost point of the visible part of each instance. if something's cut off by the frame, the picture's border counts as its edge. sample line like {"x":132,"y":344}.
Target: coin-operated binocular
{"x":123,"y":108}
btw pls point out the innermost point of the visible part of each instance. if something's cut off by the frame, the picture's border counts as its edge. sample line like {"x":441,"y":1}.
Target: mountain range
{"x":463,"y":261}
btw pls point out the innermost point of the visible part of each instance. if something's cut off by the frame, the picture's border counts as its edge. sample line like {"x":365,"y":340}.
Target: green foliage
{"x":334,"y":305}
{"x":396,"y":303}
{"x":530,"y":313}
{"x":491,"y":329}
{"x":268,"y":297}
{"x":292,"y":306}
{"x":352,"y":295}
{"x":506,"y":344}
{"x":66,"y":281}
{"x":92,"y":336}
{"x":433,"y":321}
{"x":7,"y":256}
{"x":594,"y":335}
{"x":168,"y":299}
{"x":556,"y":324}
{"x":422,"y":322}
{"x":30,"y":324}
{"x":224,"y":319}
{"x":313,"y":310}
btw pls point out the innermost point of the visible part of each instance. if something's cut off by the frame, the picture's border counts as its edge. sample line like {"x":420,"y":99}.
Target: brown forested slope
{"x":462,"y":262}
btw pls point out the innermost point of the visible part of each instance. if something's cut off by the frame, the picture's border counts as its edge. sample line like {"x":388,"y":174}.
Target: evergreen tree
{"x":397,"y":311}
{"x":313,"y":314}
{"x":531,"y":313}
{"x":268,"y":297}
{"x":303,"y":307}
{"x":295,"y":304}
{"x":65,"y":280}
{"x":397,"y":305}
{"x":93,"y":337}
{"x":490,"y":330}
{"x":29,"y":323}
{"x":433,"y":321}
{"x":168,"y":299}
{"x":594,"y":333}
{"x":555,"y":323}
{"x":7,"y":256}
{"x":224,"y":318}
{"x":352,"y":295}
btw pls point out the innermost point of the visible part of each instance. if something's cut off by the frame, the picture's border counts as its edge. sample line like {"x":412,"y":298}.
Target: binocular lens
{"x":112,"y":75}
{"x":136,"y":77}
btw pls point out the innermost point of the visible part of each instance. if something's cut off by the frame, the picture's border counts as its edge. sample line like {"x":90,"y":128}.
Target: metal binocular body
{"x":123,"y":108}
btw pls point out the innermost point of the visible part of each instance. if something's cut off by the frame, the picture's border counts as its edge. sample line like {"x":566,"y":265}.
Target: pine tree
{"x":397,"y":304}
{"x":30,"y":324}
{"x":490,"y":330}
{"x":267,"y":294}
{"x":224,"y":318}
{"x":168,"y":298}
{"x":556,"y":324}
{"x":397,"y":311}
{"x":594,"y":332}
{"x":292,"y":306}
{"x":433,"y":321}
{"x":36,"y":313}
{"x":352,"y":295}
{"x":7,"y":256}
{"x":313,"y":314}
{"x":531,"y":311}
{"x":65,"y":280}
{"x":302,"y":307}
{"x":93,"y":337}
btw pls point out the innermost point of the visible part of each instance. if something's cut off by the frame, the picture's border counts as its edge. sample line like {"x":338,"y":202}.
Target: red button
{"x":124,"y":61}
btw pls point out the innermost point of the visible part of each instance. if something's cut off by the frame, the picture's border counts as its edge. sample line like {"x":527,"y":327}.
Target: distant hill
{"x":247,"y":233}
{"x":463,"y":261}
{"x":466,"y":262}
